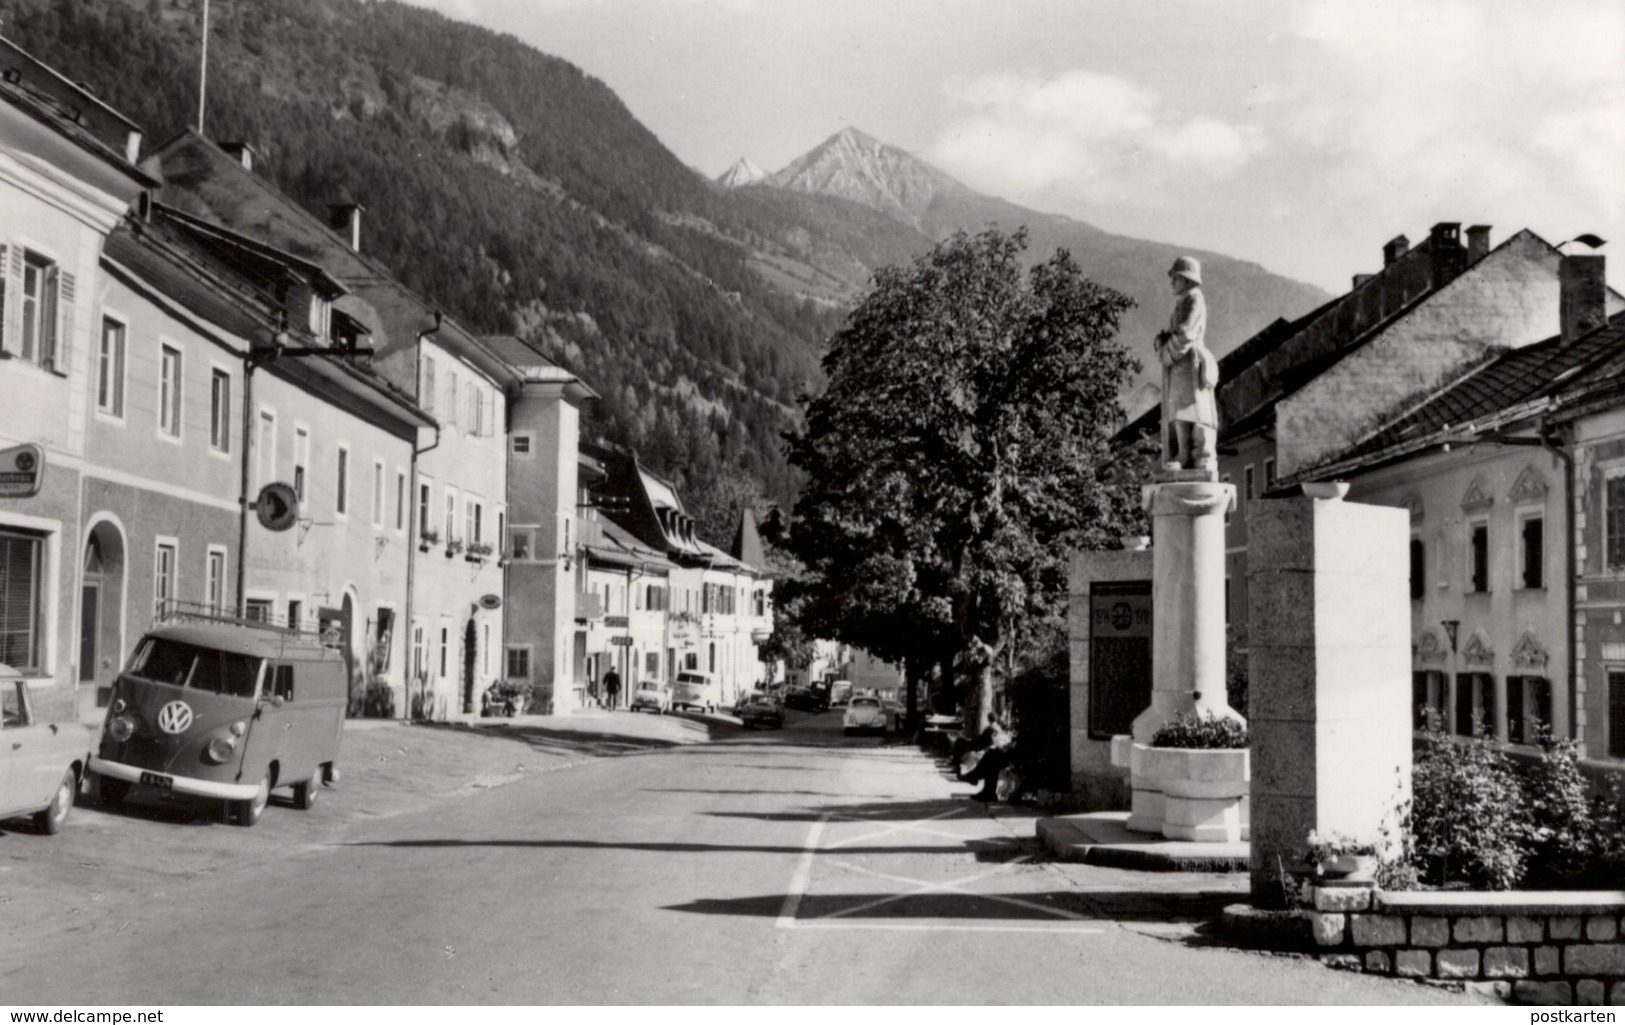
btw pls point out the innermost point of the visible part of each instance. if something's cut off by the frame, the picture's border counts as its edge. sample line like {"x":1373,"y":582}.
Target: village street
{"x":697,"y":864}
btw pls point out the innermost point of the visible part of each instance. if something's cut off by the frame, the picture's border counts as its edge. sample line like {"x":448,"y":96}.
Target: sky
{"x":1300,"y":135}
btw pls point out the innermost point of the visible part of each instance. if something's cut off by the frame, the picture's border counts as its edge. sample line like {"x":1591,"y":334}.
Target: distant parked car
{"x":803,"y":698}
{"x":40,"y":763}
{"x":840,"y":692}
{"x":695,"y":691}
{"x":864,"y":715}
{"x":762,"y":710}
{"x":652,"y":695}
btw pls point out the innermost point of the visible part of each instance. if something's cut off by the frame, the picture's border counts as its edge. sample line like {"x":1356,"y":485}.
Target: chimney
{"x":1398,"y":246}
{"x":1361,"y":279}
{"x":1582,"y":304}
{"x":241,"y":152}
{"x":1446,"y":255}
{"x":345,"y":218}
{"x":1478,"y":243}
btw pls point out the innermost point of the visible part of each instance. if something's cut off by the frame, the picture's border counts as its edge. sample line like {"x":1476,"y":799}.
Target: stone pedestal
{"x":1188,"y":643}
{"x":1329,"y":675}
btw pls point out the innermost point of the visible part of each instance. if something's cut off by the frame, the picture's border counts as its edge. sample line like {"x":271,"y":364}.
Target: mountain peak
{"x":856,"y":166}
{"x":743,"y":172}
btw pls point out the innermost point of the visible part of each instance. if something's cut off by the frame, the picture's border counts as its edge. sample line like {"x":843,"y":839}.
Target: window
{"x":424,"y":527}
{"x":301,"y":459}
{"x":1532,"y":543}
{"x":473,"y":514}
{"x":110,"y":368}
{"x":215,"y":580}
{"x":1478,"y":557}
{"x":265,"y":449}
{"x":445,"y":645}
{"x":1529,"y":708}
{"x":1427,"y":696}
{"x":1614,"y":521}
{"x":426,"y":389}
{"x":400,"y":500}
{"x":521,"y":444}
{"x":1418,"y":569}
{"x":518,"y":662}
{"x":451,"y":514}
{"x":20,"y":601}
{"x":519,"y":544}
{"x":377,"y":494}
{"x":1269,"y":474}
{"x":257,"y":609}
{"x":448,"y":413}
{"x":1247,"y":479}
{"x":419,"y":665}
{"x":341,"y":502}
{"x":163,"y":575}
{"x":1475,"y":703}
{"x":45,"y":313}
{"x":220,"y":411}
{"x":296,"y":614}
{"x":169,"y":392}
{"x":1616,"y":714}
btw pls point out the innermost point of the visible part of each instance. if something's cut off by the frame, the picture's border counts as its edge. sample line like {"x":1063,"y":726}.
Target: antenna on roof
{"x":203,"y":70}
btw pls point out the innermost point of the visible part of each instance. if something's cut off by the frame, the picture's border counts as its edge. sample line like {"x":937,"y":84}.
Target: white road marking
{"x":789,"y":913}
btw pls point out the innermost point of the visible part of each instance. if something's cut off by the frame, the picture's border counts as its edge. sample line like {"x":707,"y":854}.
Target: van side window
{"x":282,"y":683}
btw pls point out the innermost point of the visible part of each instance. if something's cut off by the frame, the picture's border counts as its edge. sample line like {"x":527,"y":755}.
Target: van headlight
{"x":122,"y":728}
{"x":221,"y":748}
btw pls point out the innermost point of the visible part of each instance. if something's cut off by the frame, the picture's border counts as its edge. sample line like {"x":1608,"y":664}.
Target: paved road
{"x":786,"y":867}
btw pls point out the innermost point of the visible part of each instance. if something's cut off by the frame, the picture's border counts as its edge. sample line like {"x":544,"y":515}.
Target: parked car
{"x":803,"y":698}
{"x":840,"y":692}
{"x":652,"y":695}
{"x":226,"y":709}
{"x":695,"y":691}
{"x":762,"y":710}
{"x":864,"y":715}
{"x":40,"y":763}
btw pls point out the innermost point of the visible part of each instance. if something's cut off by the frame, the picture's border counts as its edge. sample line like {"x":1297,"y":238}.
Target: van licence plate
{"x":153,"y":779}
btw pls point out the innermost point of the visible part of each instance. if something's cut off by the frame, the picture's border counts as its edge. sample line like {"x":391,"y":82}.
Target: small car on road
{"x":653,"y":696}
{"x":695,"y":691}
{"x":864,"y":715}
{"x":762,"y":710}
{"x":40,"y":763}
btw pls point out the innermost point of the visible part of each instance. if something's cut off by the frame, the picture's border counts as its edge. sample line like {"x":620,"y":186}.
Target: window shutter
{"x":63,"y":323}
{"x":48,"y":317}
{"x":14,"y":293}
{"x":427,"y":395}
{"x":6,"y":292}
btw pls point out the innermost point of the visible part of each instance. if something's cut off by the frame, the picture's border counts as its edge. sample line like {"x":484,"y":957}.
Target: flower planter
{"x":1350,"y":868}
{"x":1190,"y":793}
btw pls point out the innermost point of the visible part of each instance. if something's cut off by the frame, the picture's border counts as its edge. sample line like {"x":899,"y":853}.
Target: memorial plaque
{"x":1119,"y":655}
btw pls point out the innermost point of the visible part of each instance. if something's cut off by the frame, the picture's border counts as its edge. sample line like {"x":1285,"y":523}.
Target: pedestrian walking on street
{"x":612,"y":689}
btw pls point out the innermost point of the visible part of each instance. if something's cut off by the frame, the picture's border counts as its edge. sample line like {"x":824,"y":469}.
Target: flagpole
{"x":203,"y":70}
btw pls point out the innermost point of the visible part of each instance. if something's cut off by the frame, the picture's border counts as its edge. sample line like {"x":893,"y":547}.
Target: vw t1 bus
{"x":218,"y":707}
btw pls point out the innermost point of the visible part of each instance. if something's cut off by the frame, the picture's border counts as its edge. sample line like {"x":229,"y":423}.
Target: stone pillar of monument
{"x":1187,"y":510}
{"x":1329,"y":659}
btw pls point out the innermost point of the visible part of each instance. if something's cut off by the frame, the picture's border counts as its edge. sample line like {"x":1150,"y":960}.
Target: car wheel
{"x":247,"y":813}
{"x":112,"y":791}
{"x":49,"y":820}
{"x":304,"y":794}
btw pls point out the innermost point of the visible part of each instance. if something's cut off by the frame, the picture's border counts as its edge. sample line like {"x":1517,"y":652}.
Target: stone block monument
{"x":1329,"y":675}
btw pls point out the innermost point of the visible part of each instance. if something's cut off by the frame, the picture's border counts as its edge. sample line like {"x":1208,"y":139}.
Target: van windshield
{"x":206,"y":669}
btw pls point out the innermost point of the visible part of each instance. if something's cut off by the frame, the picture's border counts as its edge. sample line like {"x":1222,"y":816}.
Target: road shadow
{"x":660,"y":848}
{"x":944,"y":809}
{"x":583,"y":743}
{"x":1057,"y":906}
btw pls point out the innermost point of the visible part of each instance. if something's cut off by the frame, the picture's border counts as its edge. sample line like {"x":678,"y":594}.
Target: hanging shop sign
{"x":277,"y":506}
{"x":623,"y":642}
{"x":490,"y":601}
{"x":22,"y":471}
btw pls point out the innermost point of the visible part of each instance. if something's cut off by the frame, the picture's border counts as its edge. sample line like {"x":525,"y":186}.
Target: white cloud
{"x":1101,"y":132}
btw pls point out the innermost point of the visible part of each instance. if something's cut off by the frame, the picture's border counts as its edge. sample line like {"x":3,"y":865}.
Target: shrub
{"x":1563,"y":835}
{"x":1469,"y":818}
{"x":1205,"y":731}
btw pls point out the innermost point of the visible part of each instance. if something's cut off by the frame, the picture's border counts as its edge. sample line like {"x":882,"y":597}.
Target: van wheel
{"x":49,"y":821}
{"x":304,"y":794}
{"x":247,"y":813}
{"x":112,"y":791}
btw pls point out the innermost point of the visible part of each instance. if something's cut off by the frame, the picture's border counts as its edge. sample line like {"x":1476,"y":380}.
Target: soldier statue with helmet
{"x":1190,"y":423}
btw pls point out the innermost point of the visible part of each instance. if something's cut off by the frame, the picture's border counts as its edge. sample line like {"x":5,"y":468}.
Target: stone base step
{"x":1103,"y":838}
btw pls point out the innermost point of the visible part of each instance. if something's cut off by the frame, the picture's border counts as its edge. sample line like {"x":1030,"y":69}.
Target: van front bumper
{"x":177,"y":784}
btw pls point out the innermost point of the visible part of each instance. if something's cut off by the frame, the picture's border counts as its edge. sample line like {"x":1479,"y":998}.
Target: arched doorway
{"x":101,"y":616}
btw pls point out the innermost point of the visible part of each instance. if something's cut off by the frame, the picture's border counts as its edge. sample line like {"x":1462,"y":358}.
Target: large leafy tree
{"x":954,"y":458}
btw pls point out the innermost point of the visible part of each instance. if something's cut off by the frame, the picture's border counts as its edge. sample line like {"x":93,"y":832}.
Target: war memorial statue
{"x":1190,"y":423}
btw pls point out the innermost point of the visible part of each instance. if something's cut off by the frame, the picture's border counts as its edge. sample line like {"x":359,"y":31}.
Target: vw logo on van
{"x":175,"y":717}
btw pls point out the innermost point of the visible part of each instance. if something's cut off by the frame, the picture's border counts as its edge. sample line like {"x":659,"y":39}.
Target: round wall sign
{"x":490,"y":601}
{"x":277,"y":506}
